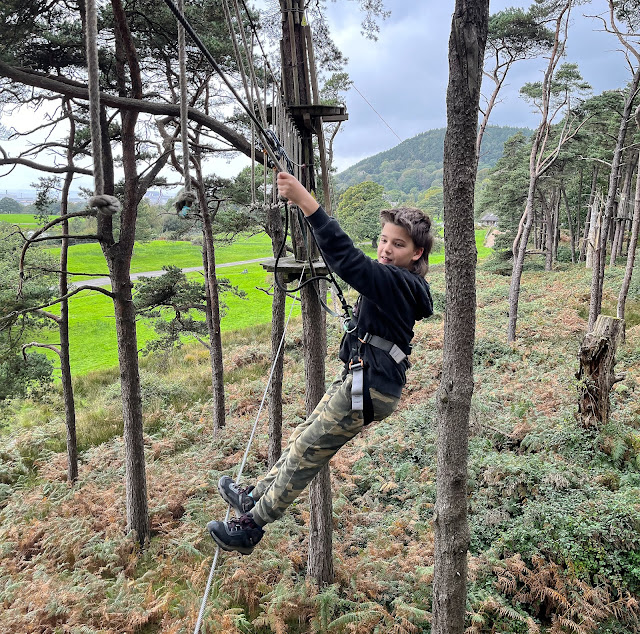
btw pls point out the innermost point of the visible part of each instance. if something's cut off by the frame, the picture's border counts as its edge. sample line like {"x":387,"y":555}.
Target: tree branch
{"x":63,"y":169}
{"x":75,"y":291}
{"x":79,"y":90}
{"x":35,"y":344}
{"x":48,"y":315}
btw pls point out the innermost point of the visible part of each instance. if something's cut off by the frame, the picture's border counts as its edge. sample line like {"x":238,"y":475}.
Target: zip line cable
{"x":379,"y":115}
{"x":270,"y":141}
{"x":242,"y":465}
{"x":205,"y":51}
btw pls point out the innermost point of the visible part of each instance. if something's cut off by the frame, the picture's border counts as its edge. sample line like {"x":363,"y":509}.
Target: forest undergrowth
{"x":554,"y":507}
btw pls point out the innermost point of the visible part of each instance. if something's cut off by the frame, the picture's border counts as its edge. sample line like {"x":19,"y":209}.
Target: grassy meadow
{"x":153,"y":255}
{"x":25,"y":221}
{"x":92,"y":327}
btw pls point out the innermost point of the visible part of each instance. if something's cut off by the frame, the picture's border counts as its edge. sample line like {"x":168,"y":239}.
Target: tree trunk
{"x":118,"y":256}
{"x":135,"y":474}
{"x":320,"y":558}
{"x":587,"y":220}
{"x":595,"y":305}
{"x":65,"y":364}
{"x":275,"y":230}
{"x":620,"y":214}
{"x":595,"y":228}
{"x":63,"y":323}
{"x":466,"y":52}
{"x":518,"y":261}
{"x":633,"y":242}
{"x":596,"y":376}
{"x":572,"y":231}
{"x":556,"y":224}
{"x":213,"y":313}
{"x":549,"y":215}
{"x":63,"y":327}
{"x":297,"y":86}
{"x":119,"y":260}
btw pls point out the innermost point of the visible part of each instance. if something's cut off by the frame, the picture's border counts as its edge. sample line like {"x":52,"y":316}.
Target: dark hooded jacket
{"x":391,"y":300}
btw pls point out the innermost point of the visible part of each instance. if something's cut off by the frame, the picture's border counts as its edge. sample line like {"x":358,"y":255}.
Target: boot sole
{"x":230,"y":549}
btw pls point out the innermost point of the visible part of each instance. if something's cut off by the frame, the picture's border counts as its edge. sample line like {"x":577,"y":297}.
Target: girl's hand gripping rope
{"x":292,"y":189}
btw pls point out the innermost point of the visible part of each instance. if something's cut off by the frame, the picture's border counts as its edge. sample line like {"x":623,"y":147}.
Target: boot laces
{"x":242,"y":490}
{"x":242,"y":523}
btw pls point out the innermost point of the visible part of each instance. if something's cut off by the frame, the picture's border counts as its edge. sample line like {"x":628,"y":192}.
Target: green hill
{"x":416,"y":164}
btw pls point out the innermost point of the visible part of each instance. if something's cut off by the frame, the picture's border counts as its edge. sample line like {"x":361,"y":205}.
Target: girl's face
{"x":396,"y":247}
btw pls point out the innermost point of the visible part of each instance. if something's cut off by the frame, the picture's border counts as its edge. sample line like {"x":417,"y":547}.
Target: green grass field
{"x":92,"y":327}
{"x":23,"y":220}
{"x":152,"y":256}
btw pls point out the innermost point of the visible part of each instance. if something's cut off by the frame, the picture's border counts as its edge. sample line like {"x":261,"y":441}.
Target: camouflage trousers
{"x":311,"y":445}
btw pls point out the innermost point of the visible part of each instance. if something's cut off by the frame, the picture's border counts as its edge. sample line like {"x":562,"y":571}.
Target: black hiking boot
{"x":238,"y":498}
{"x":239,"y":535}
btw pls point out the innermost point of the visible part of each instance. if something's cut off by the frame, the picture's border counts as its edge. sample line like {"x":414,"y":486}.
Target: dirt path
{"x":490,"y":238}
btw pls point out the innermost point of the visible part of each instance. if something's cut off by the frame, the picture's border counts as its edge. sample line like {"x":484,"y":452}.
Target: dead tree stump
{"x":596,"y":376}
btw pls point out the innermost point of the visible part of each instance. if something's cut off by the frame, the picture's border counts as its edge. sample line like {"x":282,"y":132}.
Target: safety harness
{"x":356,"y":365}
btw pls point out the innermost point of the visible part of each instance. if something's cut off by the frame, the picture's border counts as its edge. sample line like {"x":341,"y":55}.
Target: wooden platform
{"x":290,"y":269}
{"x":308,"y":117}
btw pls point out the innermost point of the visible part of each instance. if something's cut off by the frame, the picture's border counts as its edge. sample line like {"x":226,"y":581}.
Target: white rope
{"x":250,"y":63}
{"x":184,"y":103}
{"x":93,"y":81}
{"x":104,"y":204}
{"x":236,"y":49}
{"x":203,"y":605}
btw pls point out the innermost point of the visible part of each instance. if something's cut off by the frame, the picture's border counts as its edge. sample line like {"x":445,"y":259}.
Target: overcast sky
{"x":403,"y":76}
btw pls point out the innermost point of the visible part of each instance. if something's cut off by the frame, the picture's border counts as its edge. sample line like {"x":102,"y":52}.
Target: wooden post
{"x":597,"y":357}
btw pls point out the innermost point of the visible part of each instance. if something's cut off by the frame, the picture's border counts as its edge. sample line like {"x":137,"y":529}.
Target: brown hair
{"x":418,"y":226}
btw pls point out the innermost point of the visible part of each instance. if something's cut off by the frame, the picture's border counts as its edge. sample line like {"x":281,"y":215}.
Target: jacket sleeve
{"x":367,"y":276}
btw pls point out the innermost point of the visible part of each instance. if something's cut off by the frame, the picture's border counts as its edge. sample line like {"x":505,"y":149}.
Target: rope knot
{"x":184,"y":202}
{"x":104,"y":204}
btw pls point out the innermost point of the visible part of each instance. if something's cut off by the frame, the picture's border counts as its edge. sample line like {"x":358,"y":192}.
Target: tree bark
{"x":595,"y":229}
{"x":595,"y":375}
{"x":587,"y":221}
{"x":213,"y":313}
{"x":572,"y":230}
{"x":63,"y":324}
{"x":320,"y":558}
{"x":633,"y":242}
{"x":118,"y":256}
{"x":624,"y":210}
{"x":466,"y":51}
{"x":275,"y":230}
{"x":550,"y":234}
{"x":595,"y":304}
{"x":519,"y":255}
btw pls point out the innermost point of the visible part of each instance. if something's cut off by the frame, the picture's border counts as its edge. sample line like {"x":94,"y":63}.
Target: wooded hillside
{"x":416,"y":164}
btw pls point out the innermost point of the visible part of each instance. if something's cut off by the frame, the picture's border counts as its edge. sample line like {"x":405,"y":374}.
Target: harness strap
{"x":357,"y":385}
{"x":356,"y":365}
{"x":384,"y":344}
